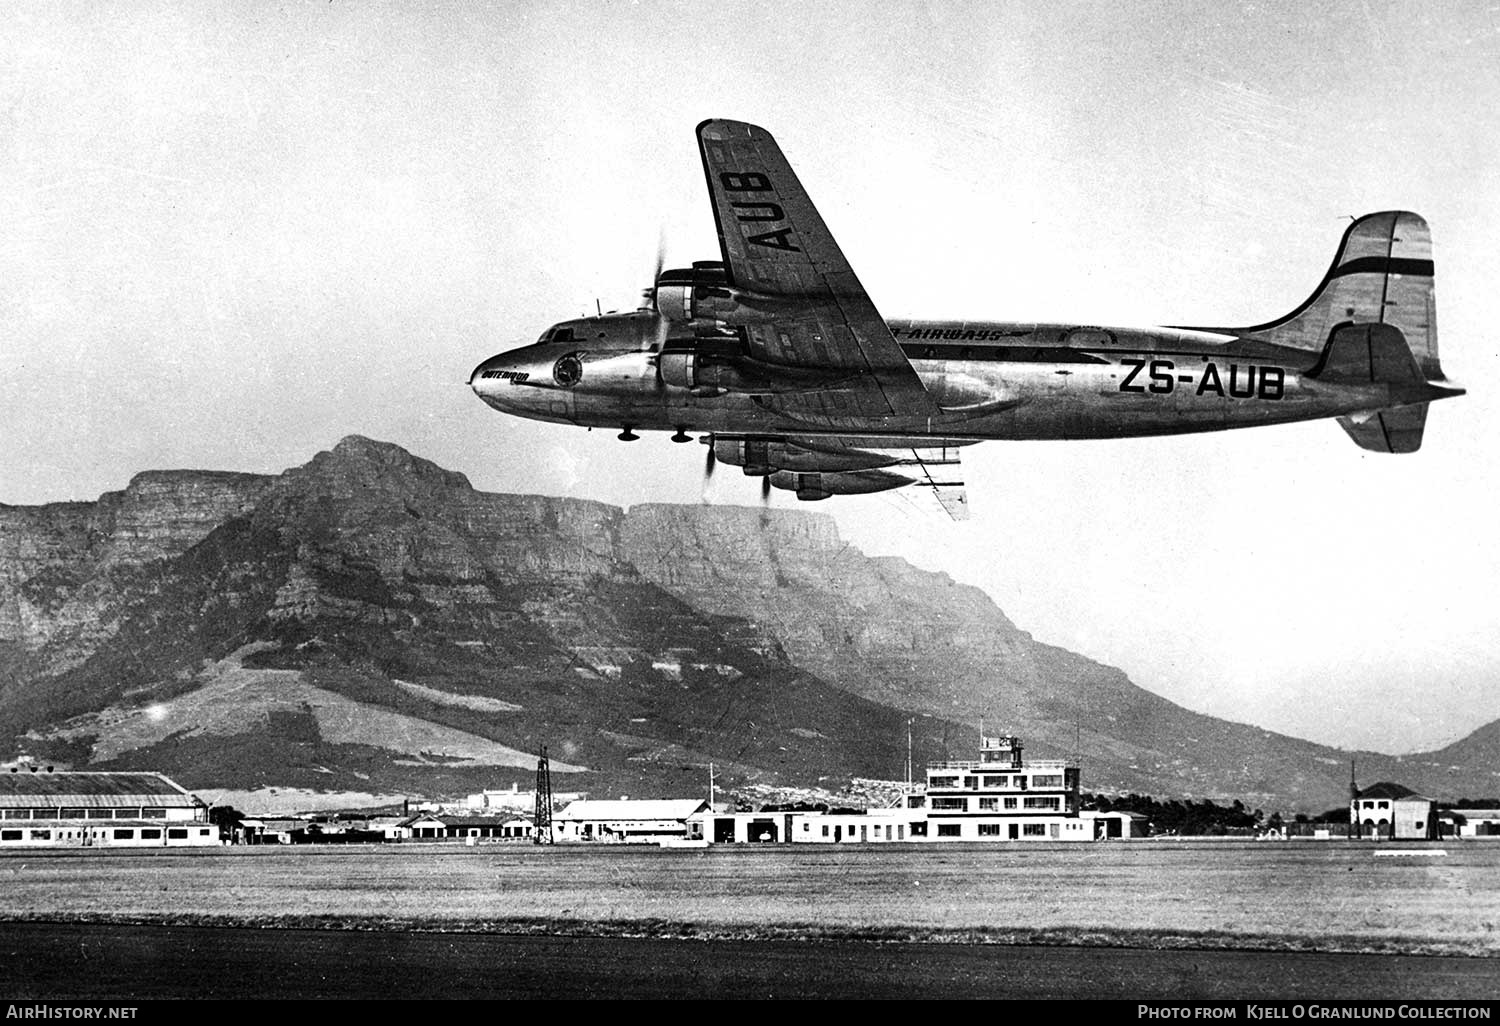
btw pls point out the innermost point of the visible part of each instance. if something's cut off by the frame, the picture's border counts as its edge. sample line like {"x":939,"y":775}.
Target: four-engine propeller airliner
{"x":775,"y":353}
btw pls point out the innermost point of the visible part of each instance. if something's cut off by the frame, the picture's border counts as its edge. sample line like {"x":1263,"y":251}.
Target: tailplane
{"x":1377,"y":354}
{"x":1397,"y":429}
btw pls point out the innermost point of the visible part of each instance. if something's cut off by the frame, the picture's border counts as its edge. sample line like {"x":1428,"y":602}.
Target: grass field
{"x":1290,"y":896}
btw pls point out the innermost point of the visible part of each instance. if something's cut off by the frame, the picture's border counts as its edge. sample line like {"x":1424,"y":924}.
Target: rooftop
{"x":1386,"y":789}
{"x":1029,"y":765}
{"x":27,"y":788}
{"x":653,"y":809}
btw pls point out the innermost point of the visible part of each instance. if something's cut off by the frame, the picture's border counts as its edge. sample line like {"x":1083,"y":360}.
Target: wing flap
{"x":929,"y":463}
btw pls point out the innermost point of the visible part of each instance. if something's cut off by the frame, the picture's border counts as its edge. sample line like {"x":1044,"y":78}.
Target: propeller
{"x":648,"y":294}
{"x":710,"y":462}
{"x":765,"y":490}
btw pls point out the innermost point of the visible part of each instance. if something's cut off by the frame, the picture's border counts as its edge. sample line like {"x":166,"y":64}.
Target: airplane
{"x":778,"y":357}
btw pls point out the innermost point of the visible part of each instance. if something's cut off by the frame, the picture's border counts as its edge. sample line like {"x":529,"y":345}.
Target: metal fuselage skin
{"x":990,"y":380}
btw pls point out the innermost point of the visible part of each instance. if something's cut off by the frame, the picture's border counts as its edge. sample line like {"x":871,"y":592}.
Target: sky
{"x":233,"y":233}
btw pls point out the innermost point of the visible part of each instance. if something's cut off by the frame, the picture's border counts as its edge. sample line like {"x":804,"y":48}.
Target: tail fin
{"x":1382,"y":274}
{"x":1374,"y":317}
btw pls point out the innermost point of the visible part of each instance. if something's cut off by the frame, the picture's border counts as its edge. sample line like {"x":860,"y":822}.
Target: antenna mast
{"x":542,"y":823}
{"x":909,"y":721}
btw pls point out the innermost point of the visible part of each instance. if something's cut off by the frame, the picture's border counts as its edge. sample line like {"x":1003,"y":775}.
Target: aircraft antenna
{"x":598,"y":310}
{"x":542,"y":823}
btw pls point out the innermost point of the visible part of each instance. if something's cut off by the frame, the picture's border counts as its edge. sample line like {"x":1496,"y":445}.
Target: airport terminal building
{"x":39,"y":808}
{"x":997,"y":797}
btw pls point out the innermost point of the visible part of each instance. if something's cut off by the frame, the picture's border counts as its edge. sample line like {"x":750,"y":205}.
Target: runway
{"x":91,"y":961}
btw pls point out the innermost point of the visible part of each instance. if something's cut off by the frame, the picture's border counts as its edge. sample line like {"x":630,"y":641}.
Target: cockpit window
{"x":563,"y":335}
{"x":568,"y":370}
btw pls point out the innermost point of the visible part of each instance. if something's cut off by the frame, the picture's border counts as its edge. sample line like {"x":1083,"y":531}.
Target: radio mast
{"x":542,"y":822}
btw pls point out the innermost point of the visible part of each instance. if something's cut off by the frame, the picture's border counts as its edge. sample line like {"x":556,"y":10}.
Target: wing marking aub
{"x":778,"y":250}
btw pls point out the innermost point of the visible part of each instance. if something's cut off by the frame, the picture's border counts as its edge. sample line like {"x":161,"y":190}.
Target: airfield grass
{"x":1301,"y":896}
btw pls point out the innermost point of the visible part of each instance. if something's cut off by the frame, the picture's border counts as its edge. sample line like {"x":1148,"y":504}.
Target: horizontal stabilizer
{"x":1359,"y":354}
{"x":1398,"y":429}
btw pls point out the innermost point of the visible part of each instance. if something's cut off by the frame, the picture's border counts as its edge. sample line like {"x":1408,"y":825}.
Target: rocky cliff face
{"x":63,"y":567}
{"x":880,"y":628}
{"x":369,"y":617}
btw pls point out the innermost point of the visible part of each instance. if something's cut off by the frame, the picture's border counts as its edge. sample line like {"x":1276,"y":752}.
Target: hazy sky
{"x":231,"y":234}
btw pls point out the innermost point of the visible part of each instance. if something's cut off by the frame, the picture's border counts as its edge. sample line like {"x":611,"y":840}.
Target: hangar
{"x":40,"y":808}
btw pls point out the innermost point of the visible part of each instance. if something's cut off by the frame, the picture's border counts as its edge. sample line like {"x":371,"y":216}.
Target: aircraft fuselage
{"x":989,"y":380}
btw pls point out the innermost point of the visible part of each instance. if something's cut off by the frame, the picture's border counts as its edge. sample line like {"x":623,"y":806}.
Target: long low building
{"x":628,"y":822}
{"x":83,"y":810}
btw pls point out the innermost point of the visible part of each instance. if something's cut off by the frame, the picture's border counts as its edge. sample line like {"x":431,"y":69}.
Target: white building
{"x":106,"y":810}
{"x":997,"y":797}
{"x":1471,"y":822}
{"x":1000,"y":797}
{"x":1390,"y":811}
{"x":628,"y":821}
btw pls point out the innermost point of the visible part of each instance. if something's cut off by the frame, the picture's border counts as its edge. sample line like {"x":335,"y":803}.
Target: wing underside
{"x":817,"y":466}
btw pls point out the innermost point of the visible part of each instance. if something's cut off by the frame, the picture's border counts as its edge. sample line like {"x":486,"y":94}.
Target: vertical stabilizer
{"x":1382,"y":274}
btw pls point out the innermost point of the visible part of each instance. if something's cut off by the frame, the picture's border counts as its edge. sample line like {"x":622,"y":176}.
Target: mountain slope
{"x":368,"y":619}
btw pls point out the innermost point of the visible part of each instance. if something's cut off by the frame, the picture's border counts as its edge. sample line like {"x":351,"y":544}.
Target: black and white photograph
{"x":833,"y":501}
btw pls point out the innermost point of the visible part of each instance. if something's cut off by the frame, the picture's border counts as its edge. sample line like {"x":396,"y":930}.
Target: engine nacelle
{"x":706,"y":374}
{"x":760,"y":457}
{"x":715,"y":365}
{"x":695,"y":293}
{"x":812,"y":487}
{"x":702,"y":293}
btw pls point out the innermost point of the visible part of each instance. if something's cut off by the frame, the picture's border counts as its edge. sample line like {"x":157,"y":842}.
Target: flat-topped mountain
{"x":369,"y":621}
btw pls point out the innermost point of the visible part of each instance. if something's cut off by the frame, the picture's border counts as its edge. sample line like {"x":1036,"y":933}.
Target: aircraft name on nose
{"x":757,"y":212}
{"x":1243,"y":382}
{"x":516,"y":377}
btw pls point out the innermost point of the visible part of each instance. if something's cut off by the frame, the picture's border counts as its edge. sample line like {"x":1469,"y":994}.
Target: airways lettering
{"x":758,"y":212}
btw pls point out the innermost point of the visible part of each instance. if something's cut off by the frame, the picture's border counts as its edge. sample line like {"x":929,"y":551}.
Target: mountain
{"x":370,"y":622}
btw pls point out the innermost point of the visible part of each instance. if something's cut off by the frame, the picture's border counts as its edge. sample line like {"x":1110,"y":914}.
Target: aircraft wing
{"x":779,"y":252}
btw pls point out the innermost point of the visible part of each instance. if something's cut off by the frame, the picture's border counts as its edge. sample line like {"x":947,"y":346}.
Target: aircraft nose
{"x":478,"y":373}
{"x":489,"y":378}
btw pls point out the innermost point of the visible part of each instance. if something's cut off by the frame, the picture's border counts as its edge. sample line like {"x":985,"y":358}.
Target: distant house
{"x":627,"y":821}
{"x":1390,"y":811}
{"x":391,"y":828}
